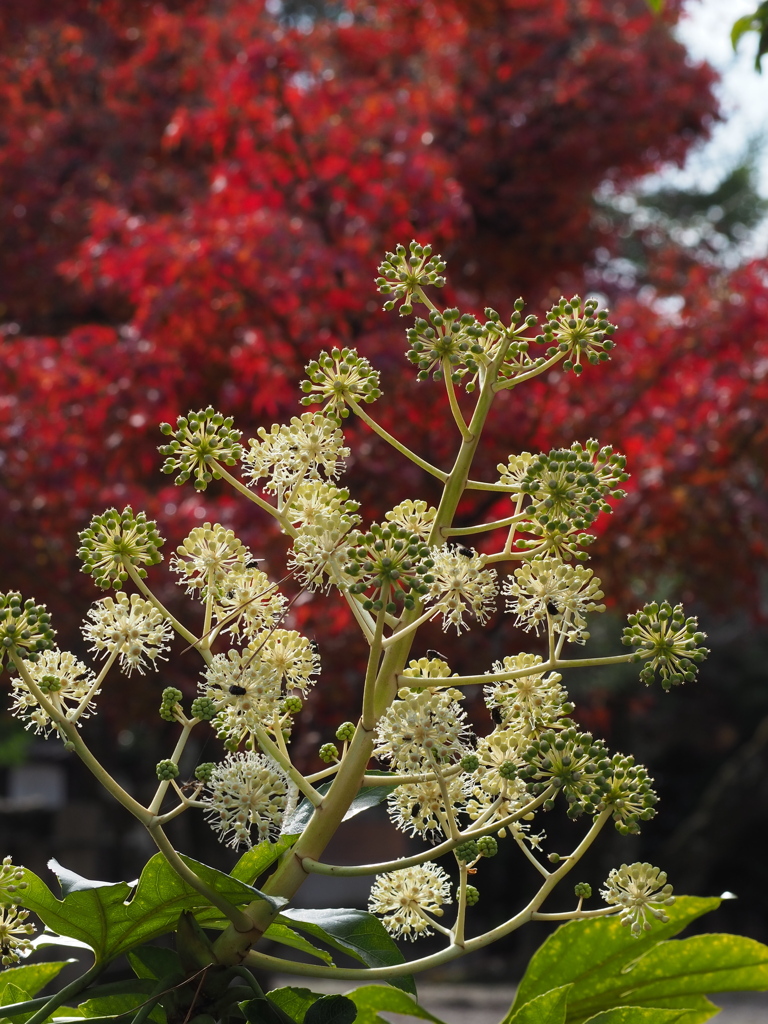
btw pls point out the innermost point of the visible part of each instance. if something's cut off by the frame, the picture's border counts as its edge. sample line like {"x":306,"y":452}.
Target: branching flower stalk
{"x":409,"y":742}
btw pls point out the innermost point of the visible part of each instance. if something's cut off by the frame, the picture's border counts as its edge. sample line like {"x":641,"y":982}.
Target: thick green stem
{"x":74,"y":988}
{"x":398,"y":445}
{"x":75,"y":742}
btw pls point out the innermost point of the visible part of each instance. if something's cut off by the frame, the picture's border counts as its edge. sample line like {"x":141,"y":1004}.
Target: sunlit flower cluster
{"x":247,"y":601}
{"x":404,"y":897}
{"x":115,"y":540}
{"x":414,"y":516}
{"x":461,"y":584}
{"x":25,"y":627}
{"x":548,"y":589}
{"x":668,"y":641}
{"x":421,"y":809}
{"x":206,"y":556}
{"x":15,"y":934}
{"x":532,"y":701}
{"x":338,"y":377}
{"x":132,"y":626}
{"x":291,"y":453}
{"x":642,"y":892}
{"x":64,"y":681}
{"x":200,"y":439}
{"x":421,"y":729}
{"x":248,"y":690}
{"x":246,"y":793}
{"x":402,"y":272}
{"x":292,"y":655}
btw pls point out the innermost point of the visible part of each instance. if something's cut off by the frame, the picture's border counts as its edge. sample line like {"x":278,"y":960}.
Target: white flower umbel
{"x":642,"y":891}
{"x":531,"y":702}
{"x":314,"y":501}
{"x":423,"y":728}
{"x":292,"y":656}
{"x":461,"y":584}
{"x":514,"y":472}
{"x":414,"y":516}
{"x":404,"y":898}
{"x":64,"y":680}
{"x":246,"y":793}
{"x":289,"y":453}
{"x":419,"y":808}
{"x":494,"y":790}
{"x":247,"y":601}
{"x":248,"y":689}
{"x":318,"y":551}
{"x":132,"y":626}
{"x":205,"y":557}
{"x":548,"y":587}
{"x":14,"y":935}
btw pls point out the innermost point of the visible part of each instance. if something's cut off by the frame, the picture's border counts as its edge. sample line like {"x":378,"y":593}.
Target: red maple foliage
{"x":194,"y":200}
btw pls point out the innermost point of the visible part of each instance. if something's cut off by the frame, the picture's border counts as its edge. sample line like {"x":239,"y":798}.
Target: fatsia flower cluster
{"x":471,"y":792}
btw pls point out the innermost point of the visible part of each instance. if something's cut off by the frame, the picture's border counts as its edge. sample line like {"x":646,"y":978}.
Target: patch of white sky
{"x":705,"y":30}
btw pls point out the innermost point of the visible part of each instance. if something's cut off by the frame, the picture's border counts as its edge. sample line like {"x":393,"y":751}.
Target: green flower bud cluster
{"x":470,"y":763}
{"x":292,"y":705}
{"x":169,"y":705}
{"x":627,"y":788}
{"x":487,"y":846}
{"x":582,"y":890}
{"x":328,"y":753}
{"x":345,"y":732}
{"x":467,"y":851}
{"x":204,"y":771}
{"x":579,"y":332}
{"x":199,"y":439}
{"x":473,"y":895}
{"x":450,"y":337}
{"x":390,"y":557}
{"x":508,"y":770}
{"x":668,"y":640}
{"x":167,"y":770}
{"x":114,"y":540}
{"x":571,"y":761}
{"x":401,"y":274}
{"x":25,"y":627}
{"x":204,"y":708}
{"x":569,"y":486}
{"x":337,"y":378}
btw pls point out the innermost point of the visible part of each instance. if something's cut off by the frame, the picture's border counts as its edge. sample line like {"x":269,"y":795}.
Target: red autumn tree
{"x":195,"y":197}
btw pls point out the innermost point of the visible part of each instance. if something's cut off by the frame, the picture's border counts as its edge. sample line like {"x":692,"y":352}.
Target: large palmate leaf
{"x":113,"y":917}
{"x":355,"y":932}
{"x":608,"y":969}
{"x":370,"y":1001}
{"x":547,"y":1008}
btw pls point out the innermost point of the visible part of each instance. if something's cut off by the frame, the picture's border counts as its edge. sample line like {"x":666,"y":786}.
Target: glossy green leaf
{"x":640,"y":1015}
{"x":547,"y":1008}
{"x":278,"y":931}
{"x":154,"y":962}
{"x":256,"y":860}
{"x":113,"y":918}
{"x":122,"y":1002}
{"x":355,"y":932}
{"x":593,"y":955}
{"x":294,"y":1001}
{"x":371,"y":1000}
{"x":29,"y":978}
{"x":331,"y":1010}
{"x":609,"y":969}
